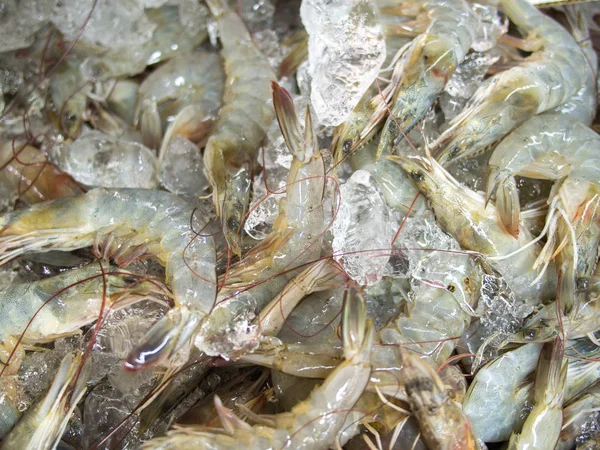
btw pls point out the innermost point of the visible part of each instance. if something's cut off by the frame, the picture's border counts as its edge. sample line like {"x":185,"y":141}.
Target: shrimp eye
{"x":417,"y":176}
{"x":582,"y":284}
{"x":232,"y":223}
{"x":451,"y":288}
{"x":346,"y":146}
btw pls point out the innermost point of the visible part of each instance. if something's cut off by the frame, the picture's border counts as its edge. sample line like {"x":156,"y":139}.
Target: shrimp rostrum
{"x":128,"y":224}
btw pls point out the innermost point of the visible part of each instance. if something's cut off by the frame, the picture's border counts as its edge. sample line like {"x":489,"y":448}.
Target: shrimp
{"x":127,"y":224}
{"x":463,"y":214}
{"x":442,"y":422}
{"x":551,"y":76}
{"x":183,"y":97}
{"x":27,"y":175}
{"x":430,"y":62}
{"x":295,"y":241}
{"x":542,"y":427}
{"x":575,"y":415}
{"x":555,"y":147}
{"x":59,"y":306}
{"x":43,"y":425}
{"x":312,"y":424}
{"x":493,"y":398}
{"x":242,"y":124}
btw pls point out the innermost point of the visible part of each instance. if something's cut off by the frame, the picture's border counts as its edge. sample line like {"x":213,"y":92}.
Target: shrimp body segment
{"x":127,"y":224}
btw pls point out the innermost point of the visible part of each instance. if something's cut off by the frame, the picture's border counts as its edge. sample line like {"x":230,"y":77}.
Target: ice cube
{"x":182,"y":168}
{"x":362,"y":230}
{"x":97,"y":159}
{"x":346,"y":49}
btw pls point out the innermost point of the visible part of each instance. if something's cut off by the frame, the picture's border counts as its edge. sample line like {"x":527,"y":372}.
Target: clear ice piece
{"x":346,"y":49}
{"x":362,"y":230}
{"x":20,"y":20}
{"x":96,"y":159}
{"x":182,"y":168}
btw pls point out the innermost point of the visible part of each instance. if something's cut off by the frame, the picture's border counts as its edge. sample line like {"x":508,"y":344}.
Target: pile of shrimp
{"x":190,"y":258}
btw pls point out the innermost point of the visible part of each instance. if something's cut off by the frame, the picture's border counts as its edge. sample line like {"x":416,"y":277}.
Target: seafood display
{"x":299,"y":224}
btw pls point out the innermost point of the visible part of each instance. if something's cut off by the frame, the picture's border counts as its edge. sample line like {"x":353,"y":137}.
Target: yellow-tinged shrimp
{"x":463,"y":214}
{"x":43,"y":425}
{"x":430,"y":62}
{"x":295,"y":241}
{"x":551,"y":76}
{"x":127,"y":224}
{"x":242,"y":124}
{"x":312,"y":424}
{"x":555,"y":147}
{"x":542,"y":427}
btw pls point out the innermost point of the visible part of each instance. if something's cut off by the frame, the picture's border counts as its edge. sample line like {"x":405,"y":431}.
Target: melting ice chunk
{"x":181,"y":171}
{"x":96,"y":159}
{"x":362,"y":230}
{"x":346,"y":49}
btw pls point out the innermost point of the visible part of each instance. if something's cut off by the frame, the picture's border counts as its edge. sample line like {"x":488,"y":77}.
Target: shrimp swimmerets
{"x":242,"y":124}
{"x":312,"y":424}
{"x":127,"y":224}
{"x":551,"y":76}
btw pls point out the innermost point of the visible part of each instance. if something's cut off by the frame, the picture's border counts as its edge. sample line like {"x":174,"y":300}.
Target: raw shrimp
{"x":542,"y":426}
{"x":183,"y":97}
{"x":43,"y":425}
{"x":463,"y":214}
{"x":575,"y":415}
{"x":27,"y":175}
{"x":441,"y":420}
{"x":127,"y":224}
{"x":295,"y":241}
{"x":555,"y":147}
{"x":497,"y":391}
{"x":242,"y":125}
{"x":312,"y":424}
{"x":430,"y":62}
{"x":59,"y":306}
{"x":551,"y":76}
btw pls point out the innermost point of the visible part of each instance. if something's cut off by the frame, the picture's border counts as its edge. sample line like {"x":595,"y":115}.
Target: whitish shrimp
{"x":242,"y":125}
{"x":43,"y":425}
{"x":59,"y":306}
{"x":555,"y":147}
{"x":27,"y":175}
{"x":430,"y":62}
{"x":551,"y":76}
{"x":463,"y":214}
{"x":312,"y":424}
{"x":127,"y":224}
{"x":183,"y":97}
{"x":295,"y":241}
{"x":542,"y":426}
{"x":494,"y":397}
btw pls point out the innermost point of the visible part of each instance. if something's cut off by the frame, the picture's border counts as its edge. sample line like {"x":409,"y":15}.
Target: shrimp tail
{"x":231,"y":423}
{"x":551,"y":374}
{"x":168,"y":336}
{"x":357,"y":329}
{"x":507,"y":205}
{"x":288,"y":120}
